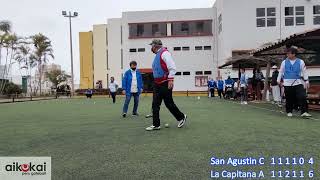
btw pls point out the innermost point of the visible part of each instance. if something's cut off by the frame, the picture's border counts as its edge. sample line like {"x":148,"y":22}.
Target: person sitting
{"x":229,"y":83}
{"x":89,"y":93}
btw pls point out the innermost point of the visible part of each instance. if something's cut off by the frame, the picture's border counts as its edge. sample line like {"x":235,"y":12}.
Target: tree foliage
{"x":28,"y":52}
{"x":57,"y":76}
{"x":42,"y":52}
{"x":12,"y":89}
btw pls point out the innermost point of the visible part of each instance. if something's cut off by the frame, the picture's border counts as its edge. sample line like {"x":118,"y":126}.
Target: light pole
{"x":71,"y":15}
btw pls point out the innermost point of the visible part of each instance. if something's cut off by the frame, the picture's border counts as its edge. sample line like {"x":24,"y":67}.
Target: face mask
{"x":133,"y":69}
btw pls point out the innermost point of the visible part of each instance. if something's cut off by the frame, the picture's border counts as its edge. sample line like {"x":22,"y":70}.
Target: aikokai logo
{"x":27,"y":168}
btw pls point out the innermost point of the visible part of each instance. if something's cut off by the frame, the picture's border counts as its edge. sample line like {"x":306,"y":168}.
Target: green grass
{"x":92,"y":141}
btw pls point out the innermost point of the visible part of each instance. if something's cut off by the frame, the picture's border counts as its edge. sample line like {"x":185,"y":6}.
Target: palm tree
{"x":26,"y":61}
{"x":5,"y":28}
{"x":43,"y":51}
{"x":11,"y":42}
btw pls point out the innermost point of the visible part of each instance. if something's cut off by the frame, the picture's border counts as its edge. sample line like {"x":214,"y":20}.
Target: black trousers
{"x":89,"y":96}
{"x":220,"y":93}
{"x":161,"y":92}
{"x":296,"y":95}
{"x":113,"y":95}
{"x":212,"y":92}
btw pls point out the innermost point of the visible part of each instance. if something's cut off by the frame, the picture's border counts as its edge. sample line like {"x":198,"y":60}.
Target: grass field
{"x":89,"y":140}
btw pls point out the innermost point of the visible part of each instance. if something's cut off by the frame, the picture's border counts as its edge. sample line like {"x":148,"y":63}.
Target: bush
{"x":12,"y":89}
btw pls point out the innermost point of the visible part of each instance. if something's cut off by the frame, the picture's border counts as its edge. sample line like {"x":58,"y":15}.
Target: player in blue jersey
{"x":295,"y":81}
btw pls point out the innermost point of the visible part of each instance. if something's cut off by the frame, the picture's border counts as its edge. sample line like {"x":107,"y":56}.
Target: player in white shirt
{"x":113,"y":88}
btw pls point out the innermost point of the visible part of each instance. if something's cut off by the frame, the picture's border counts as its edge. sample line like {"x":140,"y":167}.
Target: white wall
{"x":114,"y":49}
{"x":185,"y":60}
{"x":239,"y":29}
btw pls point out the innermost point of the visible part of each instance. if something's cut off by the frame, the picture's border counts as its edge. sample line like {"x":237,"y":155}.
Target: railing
{"x":14,"y":98}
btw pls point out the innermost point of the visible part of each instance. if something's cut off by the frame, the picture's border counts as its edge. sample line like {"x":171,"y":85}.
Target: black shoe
{"x":124,"y":115}
{"x":135,"y":114}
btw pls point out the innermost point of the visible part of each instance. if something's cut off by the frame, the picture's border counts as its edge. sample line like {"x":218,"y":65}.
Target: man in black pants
{"x":113,"y":88}
{"x":295,"y":81}
{"x":164,"y":70}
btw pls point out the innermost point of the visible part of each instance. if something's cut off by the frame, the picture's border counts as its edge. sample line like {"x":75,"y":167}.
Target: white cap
{"x":274,"y":67}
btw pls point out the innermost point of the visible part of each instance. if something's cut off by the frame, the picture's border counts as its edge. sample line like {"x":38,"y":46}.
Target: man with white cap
{"x":276,"y":92}
{"x":293,"y":71}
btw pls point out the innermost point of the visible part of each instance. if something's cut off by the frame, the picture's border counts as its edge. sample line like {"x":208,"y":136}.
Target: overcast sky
{"x":33,"y":16}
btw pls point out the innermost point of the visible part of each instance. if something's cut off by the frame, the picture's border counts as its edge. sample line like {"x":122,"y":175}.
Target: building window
{"x":155,"y":29}
{"x":299,"y":15}
{"x":185,"y":27}
{"x":261,"y":12}
{"x":201,"y":81}
{"x":185,"y":48}
{"x":271,"y":22}
{"x":191,"y":28}
{"x":266,"y":17}
{"x":186,"y":73}
{"x":198,"y":48}
{"x":199,"y":72}
{"x":289,"y":21}
{"x":220,"y":23}
{"x":177,"y":48}
{"x":148,"y":30}
{"x":200,"y":26}
{"x":141,"y":49}
{"x":140,"y":30}
{"x":261,"y":22}
{"x":207,"y":72}
{"x":288,"y":11}
{"x":316,"y":13}
{"x":271,"y":11}
{"x":132,"y":50}
{"x":294,"y":15}
{"x":271,"y":17}
{"x":300,"y":21}
{"x":207,"y":47}
{"x":289,"y":16}
{"x":178,"y":73}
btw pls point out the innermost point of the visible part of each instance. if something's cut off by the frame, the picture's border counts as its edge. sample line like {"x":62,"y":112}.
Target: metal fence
{"x":14,"y":98}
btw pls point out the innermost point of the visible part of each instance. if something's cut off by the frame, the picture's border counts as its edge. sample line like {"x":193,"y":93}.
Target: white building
{"x":200,"y":40}
{"x":249,"y":24}
{"x":187,"y":33}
